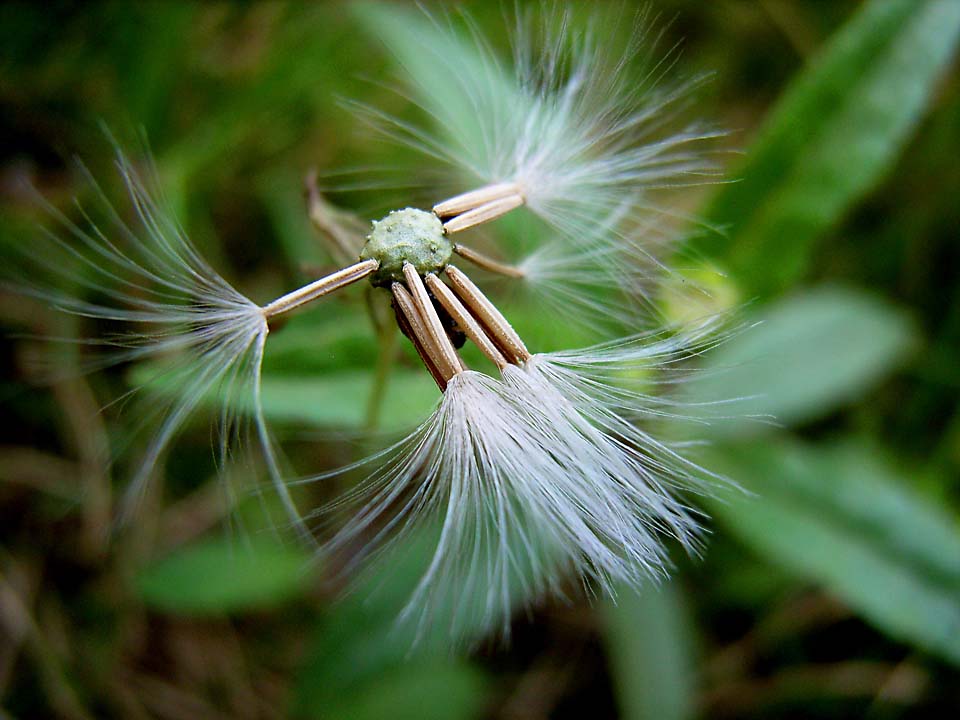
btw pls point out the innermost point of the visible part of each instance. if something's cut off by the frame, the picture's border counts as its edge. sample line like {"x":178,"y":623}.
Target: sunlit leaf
{"x":340,"y":399}
{"x":836,"y":131}
{"x":842,"y":518}
{"x":810,"y":354}
{"x":333,"y":399}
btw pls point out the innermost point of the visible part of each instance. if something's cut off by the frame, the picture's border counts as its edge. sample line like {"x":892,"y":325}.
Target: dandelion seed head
{"x":543,"y":475}
{"x":552,"y":470}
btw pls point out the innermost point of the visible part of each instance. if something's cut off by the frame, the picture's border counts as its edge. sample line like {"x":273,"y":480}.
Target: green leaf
{"x":147,"y":71}
{"x":842,"y":518}
{"x":340,"y":399}
{"x":437,"y":690}
{"x":324,"y":340}
{"x":810,"y":353}
{"x":833,"y":135}
{"x":282,"y":195}
{"x":362,"y":645}
{"x":332,"y":399}
{"x":290,"y":89}
{"x":648,"y":640}
{"x":217,"y":576}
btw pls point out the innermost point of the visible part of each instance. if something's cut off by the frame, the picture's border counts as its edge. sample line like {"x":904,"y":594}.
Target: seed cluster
{"x":472,"y":313}
{"x":404,"y":253}
{"x":410,"y":247}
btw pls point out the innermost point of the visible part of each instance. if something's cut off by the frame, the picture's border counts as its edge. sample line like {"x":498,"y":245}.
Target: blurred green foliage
{"x":831,"y":590}
{"x":217,"y":577}
{"x":839,"y":125}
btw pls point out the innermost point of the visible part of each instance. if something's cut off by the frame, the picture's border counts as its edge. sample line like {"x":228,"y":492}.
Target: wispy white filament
{"x":172,"y":307}
{"x":533,"y":479}
{"x":586,"y":132}
{"x":576,"y":125}
{"x":601,"y":284}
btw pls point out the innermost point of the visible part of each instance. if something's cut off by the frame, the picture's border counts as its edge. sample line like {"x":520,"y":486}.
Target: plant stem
{"x":388,"y":351}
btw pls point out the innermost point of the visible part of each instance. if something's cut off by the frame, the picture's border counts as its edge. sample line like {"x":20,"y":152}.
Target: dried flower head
{"x":540,"y":473}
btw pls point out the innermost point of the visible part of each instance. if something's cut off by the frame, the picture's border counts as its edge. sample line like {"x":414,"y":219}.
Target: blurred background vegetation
{"x":833,"y":592}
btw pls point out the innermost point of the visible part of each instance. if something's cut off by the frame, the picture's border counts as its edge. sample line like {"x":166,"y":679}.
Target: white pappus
{"x":579,"y":132}
{"x":548,"y":470}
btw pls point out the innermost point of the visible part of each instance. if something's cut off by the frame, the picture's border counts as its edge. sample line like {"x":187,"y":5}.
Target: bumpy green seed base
{"x":406,"y":236}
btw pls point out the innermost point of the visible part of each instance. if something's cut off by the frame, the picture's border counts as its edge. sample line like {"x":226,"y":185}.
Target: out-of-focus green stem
{"x":387,"y":339}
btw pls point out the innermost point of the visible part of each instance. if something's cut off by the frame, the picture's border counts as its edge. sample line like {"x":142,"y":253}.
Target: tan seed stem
{"x":465,"y":320}
{"x":483,"y":214}
{"x":344,"y":232}
{"x":496,"y":324}
{"x":487,"y":263}
{"x":319,"y":288}
{"x":412,"y":326}
{"x":475,"y":198}
{"x":448,"y":354}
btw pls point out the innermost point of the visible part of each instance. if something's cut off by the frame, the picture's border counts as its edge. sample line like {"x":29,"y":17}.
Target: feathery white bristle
{"x":585,"y":132}
{"x":206,"y":337}
{"x":600,"y":284}
{"x":533,"y":479}
{"x":459,"y":469}
{"x":576,"y":125}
